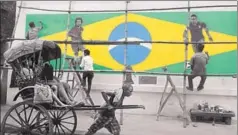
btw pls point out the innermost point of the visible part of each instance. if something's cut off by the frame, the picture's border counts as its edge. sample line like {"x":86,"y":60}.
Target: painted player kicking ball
{"x":196,"y":27}
{"x":106,"y":118}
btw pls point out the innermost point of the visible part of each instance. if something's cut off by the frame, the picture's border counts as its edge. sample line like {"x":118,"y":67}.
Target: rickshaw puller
{"x":107,"y":117}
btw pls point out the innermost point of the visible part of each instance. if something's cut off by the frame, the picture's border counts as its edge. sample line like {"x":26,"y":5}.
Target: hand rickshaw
{"x":28,"y":117}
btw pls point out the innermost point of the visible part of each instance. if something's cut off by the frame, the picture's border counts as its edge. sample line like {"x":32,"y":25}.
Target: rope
{"x":131,"y":10}
{"x":67,"y":29}
{"x":101,"y":42}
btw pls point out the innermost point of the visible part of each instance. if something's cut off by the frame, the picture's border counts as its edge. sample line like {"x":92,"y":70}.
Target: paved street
{"x":147,"y":125}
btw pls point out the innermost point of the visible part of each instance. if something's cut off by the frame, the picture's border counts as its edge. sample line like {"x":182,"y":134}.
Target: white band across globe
{"x":147,"y":45}
{"x":135,"y":53}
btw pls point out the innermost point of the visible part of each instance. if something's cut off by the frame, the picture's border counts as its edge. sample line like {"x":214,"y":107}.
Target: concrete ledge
{"x":219,"y":86}
{"x":160,"y":89}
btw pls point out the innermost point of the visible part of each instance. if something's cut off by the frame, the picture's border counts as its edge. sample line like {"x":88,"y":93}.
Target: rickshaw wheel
{"x":27,"y":118}
{"x":64,"y":121}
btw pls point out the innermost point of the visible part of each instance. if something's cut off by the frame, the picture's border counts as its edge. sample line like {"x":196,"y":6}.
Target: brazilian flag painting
{"x":144,"y":26}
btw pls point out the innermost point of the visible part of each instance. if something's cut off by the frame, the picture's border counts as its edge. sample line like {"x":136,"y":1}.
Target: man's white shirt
{"x":87,"y":63}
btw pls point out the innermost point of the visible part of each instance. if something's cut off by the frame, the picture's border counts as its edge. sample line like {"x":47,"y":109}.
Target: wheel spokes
{"x":17,"y":123}
{"x":62,"y":129}
{"x":64,"y":114}
{"x":63,"y":121}
{"x":66,"y":128}
{"x":12,"y":128}
{"x":20,"y":120}
{"x":37,"y":115}
{"x":28,"y":120}
{"x":41,"y":124}
{"x":54,"y":128}
{"x":19,"y":116}
{"x":52,"y":114}
{"x":58,"y":130}
{"x":24,"y":107}
{"x":67,"y":117}
{"x":20,"y":123}
{"x":67,"y":122}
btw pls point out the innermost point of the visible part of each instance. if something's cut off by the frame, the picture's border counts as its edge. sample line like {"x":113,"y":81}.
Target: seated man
{"x":61,"y":89}
{"x":198,"y":66}
{"x":107,"y":117}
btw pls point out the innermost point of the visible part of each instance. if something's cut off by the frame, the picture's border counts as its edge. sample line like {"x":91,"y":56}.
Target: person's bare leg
{"x":56,"y":99}
{"x":68,"y":91}
{"x":63,"y":94}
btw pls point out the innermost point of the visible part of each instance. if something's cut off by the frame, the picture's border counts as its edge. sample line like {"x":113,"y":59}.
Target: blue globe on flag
{"x":136,"y":53}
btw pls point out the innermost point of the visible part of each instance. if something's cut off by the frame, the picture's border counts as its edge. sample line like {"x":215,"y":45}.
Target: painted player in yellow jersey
{"x":76,"y":35}
{"x":195,"y":27}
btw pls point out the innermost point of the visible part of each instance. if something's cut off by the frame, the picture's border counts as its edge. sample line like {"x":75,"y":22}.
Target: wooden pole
{"x":125,"y":53}
{"x":4,"y":75}
{"x":185,"y":120}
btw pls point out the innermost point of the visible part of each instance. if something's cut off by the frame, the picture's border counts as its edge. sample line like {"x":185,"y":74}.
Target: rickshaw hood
{"x":23,"y":48}
{"x":49,"y":49}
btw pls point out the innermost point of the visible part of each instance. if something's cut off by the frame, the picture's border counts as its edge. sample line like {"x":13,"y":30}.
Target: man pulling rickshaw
{"x":45,"y":95}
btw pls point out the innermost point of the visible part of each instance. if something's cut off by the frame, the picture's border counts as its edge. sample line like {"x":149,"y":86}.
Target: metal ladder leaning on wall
{"x":78,"y":80}
{"x":173,"y":90}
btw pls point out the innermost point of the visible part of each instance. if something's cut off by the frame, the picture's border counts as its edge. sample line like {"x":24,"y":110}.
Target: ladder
{"x":173,"y":90}
{"x":78,"y":79}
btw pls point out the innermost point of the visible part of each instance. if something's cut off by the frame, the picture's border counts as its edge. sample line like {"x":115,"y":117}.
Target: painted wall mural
{"x":164,"y":26}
